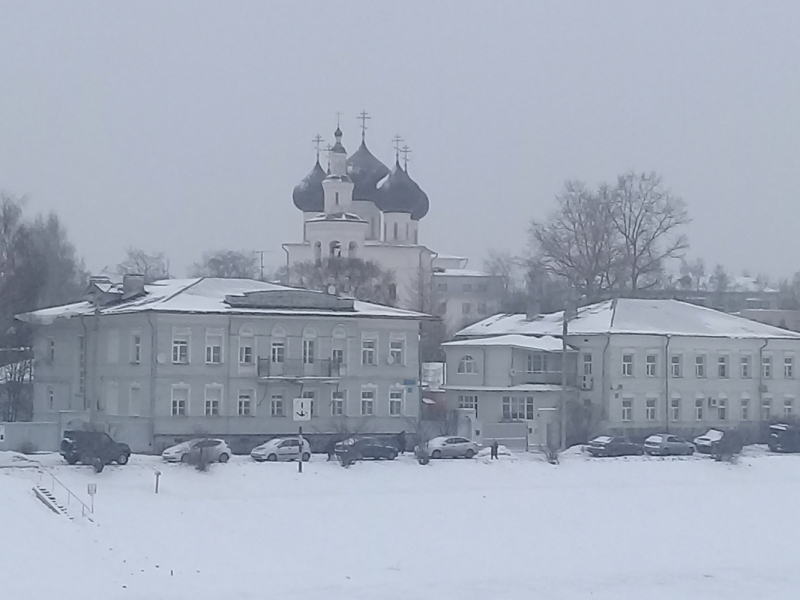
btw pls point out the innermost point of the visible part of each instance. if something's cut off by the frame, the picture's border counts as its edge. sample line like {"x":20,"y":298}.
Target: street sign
{"x":302,"y":409}
{"x":2,"y":433}
{"x":91,"y":489}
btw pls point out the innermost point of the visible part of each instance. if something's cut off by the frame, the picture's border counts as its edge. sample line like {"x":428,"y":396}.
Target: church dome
{"x":308,"y":196}
{"x":399,"y":193}
{"x":421,"y":209}
{"x":366,"y":171}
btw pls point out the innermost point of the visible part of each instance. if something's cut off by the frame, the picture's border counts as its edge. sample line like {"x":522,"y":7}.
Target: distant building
{"x":785,"y":319}
{"x":738,"y":294}
{"x":223,"y":357}
{"x":642,"y":365}
{"x":462,"y":296}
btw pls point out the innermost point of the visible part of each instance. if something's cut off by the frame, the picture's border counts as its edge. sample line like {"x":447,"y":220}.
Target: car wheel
{"x":98,"y":465}
{"x":122,"y":459}
{"x":690,"y":451}
{"x":71,"y":460}
{"x":436,"y":454}
{"x":392,"y":455}
{"x":86,"y":459}
{"x":306,"y":457}
{"x":224,"y":457}
{"x":469,"y":453}
{"x":185,"y":458}
{"x":272,"y":458}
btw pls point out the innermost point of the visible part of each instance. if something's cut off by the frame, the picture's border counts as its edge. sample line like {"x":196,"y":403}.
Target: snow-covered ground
{"x":517,"y":528}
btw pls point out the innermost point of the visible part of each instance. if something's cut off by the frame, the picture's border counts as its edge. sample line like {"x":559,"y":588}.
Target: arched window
{"x":352,"y":250}
{"x":407,"y":226}
{"x":415,"y":237}
{"x":392,"y":292}
{"x":335,"y":249}
{"x":309,"y":345}
{"x":395,"y":231}
{"x":467,"y":365}
{"x":337,"y":198}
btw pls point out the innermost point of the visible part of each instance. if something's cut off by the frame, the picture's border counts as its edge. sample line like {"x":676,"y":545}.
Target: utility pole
{"x":568,"y":310}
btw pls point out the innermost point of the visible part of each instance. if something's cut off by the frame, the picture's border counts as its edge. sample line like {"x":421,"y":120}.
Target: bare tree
{"x":720,"y":280}
{"x":578,"y":241}
{"x":153,"y":266}
{"x":364,"y":280}
{"x":509,"y":270}
{"x":227,"y":264}
{"x":647,"y":219}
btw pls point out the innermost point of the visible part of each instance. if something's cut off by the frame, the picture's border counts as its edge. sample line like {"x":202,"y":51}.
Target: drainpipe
{"x":153,"y":376}
{"x":603,"y":384}
{"x":286,"y":250}
{"x":761,"y":379}
{"x":233,"y":360}
{"x":83,"y":353}
{"x":95,"y":394}
{"x":668,"y":400}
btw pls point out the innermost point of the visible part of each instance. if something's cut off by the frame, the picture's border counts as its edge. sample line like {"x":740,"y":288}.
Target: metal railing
{"x":296,"y":368}
{"x":85,"y":508}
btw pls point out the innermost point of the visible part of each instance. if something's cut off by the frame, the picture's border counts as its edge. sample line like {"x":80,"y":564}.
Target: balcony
{"x":548,"y":377}
{"x":297,"y":369}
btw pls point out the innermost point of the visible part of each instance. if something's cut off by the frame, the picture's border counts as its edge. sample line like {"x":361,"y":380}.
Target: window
{"x":311,"y":395}
{"x":517,"y":408}
{"x":246,"y":350}
{"x":722,"y":409}
{"x":213,"y":347}
{"x":395,"y":403}
{"x":722,"y":366}
{"x":441,"y":287}
{"x":278,"y":353}
{"x":482,"y":308}
{"x":587,"y":363}
{"x":336,"y":198}
{"x":395,"y":231}
{"x":180,"y":401}
{"x":308,"y":351}
{"x":244,"y":406}
{"x":51,"y":397}
{"x":180,"y":346}
{"x":367,"y":402}
{"x":467,"y":287}
{"x":467,"y":364}
{"x":744,"y":367}
{"x":766,"y":367}
{"x":788,"y":367}
{"x":536,"y":362}
{"x":337,"y":356}
{"x":627,"y":410}
{"x":650,"y":412}
{"x":467,"y":401}
{"x":466,"y":308}
{"x":276,"y":405}
{"x":652,"y":365}
{"x":397,"y":351}
{"x":136,"y":348}
{"x":766,"y":409}
{"x":627,"y":365}
{"x":700,"y":366}
{"x":51,"y":351}
{"x":745,"y":409}
{"x":676,"y":365}
{"x":675,"y":409}
{"x":698,"y":408}
{"x":788,"y":407}
{"x":337,"y":404}
{"x":213,"y":400}
{"x":369,"y":351}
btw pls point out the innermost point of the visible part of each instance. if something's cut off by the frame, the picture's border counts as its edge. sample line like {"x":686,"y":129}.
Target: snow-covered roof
{"x":523,"y":387}
{"x":545,"y":343}
{"x":208,"y":295}
{"x":632,"y":316}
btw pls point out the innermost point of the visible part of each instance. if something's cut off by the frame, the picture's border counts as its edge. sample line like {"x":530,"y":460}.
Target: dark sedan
{"x":365,"y":447}
{"x":606,"y":445}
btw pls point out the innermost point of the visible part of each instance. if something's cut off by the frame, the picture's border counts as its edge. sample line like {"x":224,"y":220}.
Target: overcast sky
{"x":184,"y":126}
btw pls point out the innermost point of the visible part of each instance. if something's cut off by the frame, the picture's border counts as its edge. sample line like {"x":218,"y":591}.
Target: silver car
{"x":666,"y":444}
{"x":282,"y":449}
{"x":213,"y":450}
{"x":451,"y":447}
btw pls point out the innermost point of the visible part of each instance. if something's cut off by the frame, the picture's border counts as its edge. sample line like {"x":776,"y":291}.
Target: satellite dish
{"x":161,"y":358}
{"x":390,"y":360}
{"x":332,"y":290}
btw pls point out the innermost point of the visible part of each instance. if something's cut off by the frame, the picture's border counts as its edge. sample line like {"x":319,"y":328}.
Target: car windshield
{"x":602,"y":439}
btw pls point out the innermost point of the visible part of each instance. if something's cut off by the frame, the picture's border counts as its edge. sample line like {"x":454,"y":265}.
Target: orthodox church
{"x":360,"y":208}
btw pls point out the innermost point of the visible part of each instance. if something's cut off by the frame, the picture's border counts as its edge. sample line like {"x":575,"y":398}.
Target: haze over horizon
{"x":184,"y":126}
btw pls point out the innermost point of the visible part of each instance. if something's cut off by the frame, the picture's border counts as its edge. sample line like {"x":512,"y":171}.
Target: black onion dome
{"x":337,"y":147}
{"x":366,"y":171}
{"x":421,"y":209}
{"x":308,"y":196}
{"x":398,"y":192}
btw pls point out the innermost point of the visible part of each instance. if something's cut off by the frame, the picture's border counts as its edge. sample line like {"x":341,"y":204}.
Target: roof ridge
{"x":183,"y":289}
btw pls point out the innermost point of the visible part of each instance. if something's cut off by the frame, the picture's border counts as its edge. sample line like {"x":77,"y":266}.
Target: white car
{"x":282,"y":449}
{"x":705,"y":443}
{"x":214,"y":450}
{"x":451,"y":447}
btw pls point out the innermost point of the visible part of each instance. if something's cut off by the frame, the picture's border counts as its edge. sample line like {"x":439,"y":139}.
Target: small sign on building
{"x":2,"y":433}
{"x":301,"y":409}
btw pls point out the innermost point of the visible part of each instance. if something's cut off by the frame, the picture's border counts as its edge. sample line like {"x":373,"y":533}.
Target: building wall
{"x":462,"y":300}
{"x":119,"y":390}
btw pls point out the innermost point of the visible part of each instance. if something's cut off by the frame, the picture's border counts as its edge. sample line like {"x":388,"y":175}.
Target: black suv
{"x":93,"y":448}
{"x":364,"y":447}
{"x":784,"y":437}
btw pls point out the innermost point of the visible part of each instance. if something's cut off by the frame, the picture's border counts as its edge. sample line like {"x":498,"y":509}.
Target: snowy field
{"x":517,"y":528}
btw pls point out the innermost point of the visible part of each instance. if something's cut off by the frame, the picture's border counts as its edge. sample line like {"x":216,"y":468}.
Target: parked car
{"x":282,"y":449}
{"x":451,"y":447}
{"x":365,"y":447}
{"x":93,"y":448}
{"x":704,"y":443}
{"x":666,"y":444}
{"x":784,"y":437}
{"x":607,"y":445}
{"x":214,"y":450}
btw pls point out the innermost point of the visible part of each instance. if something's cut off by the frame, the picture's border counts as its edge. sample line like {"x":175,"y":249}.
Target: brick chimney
{"x":132,"y":285}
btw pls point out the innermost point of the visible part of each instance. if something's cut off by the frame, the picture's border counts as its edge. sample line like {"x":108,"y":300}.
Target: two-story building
{"x":645,"y":365}
{"x":223,"y":357}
